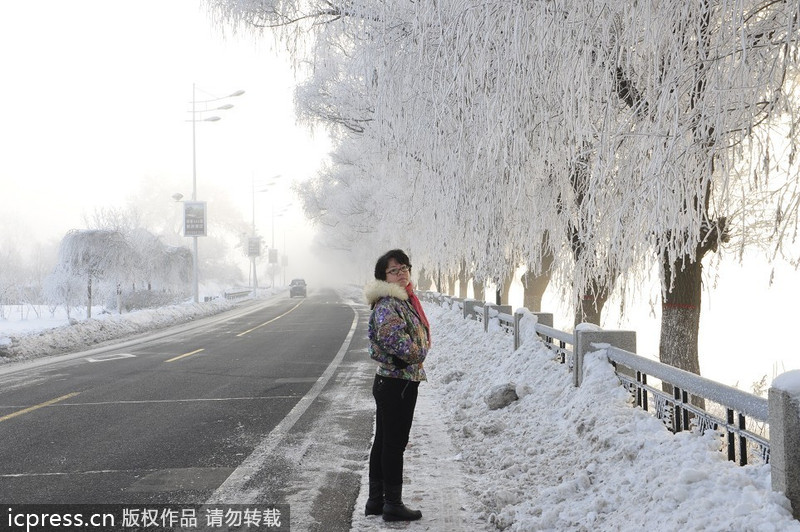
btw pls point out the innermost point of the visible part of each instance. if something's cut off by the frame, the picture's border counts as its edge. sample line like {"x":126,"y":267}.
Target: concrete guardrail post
{"x":469,"y":308}
{"x":517,"y":318}
{"x":583,"y":344}
{"x":487,"y":309}
{"x":784,"y":437}
{"x":545,"y":318}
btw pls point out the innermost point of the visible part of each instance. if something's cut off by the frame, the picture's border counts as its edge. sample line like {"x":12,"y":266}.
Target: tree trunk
{"x":478,"y":290}
{"x":506,"y":288}
{"x":680,"y":321}
{"x":591,"y":305}
{"x":451,"y":285}
{"x":680,"y":317}
{"x":89,"y":294}
{"x":463,"y":280}
{"x":596,"y":289}
{"x":423,"y":281}
{"x":535,"y":285}
{"x":680,"y":307}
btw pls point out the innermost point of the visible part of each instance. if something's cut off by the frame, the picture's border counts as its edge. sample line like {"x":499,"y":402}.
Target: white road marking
{"x":106,"y":358}
{"x":68,"y":473}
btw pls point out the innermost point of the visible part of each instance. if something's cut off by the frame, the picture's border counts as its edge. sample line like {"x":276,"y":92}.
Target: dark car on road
{"x":297,"y":288}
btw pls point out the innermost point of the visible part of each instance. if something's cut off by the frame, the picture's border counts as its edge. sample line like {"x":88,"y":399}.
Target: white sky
{"x":95,"y":97}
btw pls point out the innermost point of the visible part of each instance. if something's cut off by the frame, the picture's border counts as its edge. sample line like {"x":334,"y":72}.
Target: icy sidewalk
{"x":434,"y":480}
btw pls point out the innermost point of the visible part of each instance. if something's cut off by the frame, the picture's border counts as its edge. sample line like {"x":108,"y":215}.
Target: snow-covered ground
{"x":28,"y":332}
{"x":26,"y":335}
{"x":560,"y":458}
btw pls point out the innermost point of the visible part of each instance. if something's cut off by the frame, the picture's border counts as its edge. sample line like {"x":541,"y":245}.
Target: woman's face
{"x":396,"y":275}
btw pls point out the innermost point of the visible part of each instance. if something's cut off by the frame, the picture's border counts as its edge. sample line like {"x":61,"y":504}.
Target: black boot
{"x":375,"y":500}
{"x":393,"y":507}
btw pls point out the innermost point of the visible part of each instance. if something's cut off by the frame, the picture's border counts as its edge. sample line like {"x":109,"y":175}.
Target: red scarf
{"x":412,"y":297}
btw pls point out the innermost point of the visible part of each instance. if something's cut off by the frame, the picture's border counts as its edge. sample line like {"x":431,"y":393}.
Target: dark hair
{"x":383,"y":262}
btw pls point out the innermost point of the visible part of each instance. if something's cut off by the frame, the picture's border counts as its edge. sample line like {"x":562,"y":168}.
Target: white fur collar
{"x":377,"y":289}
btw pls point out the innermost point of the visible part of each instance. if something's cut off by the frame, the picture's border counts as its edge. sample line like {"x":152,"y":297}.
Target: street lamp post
{"x":285,"y":259}
{"x":195,"y":112}
{"x":272,"y":270}
{"x":283,"y":211}
{"x":253,"y":255}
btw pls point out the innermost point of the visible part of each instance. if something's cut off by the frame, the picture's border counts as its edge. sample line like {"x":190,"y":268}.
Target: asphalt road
{"x":271,"y":406}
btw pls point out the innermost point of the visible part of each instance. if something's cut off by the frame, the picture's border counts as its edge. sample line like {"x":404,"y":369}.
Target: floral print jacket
{"x":399,"y":341}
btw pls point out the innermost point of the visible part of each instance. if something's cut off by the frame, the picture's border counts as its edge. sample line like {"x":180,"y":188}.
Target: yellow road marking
{"x":37,"y":407}
{"x":185,"y":355}
{"x":270,"y":321}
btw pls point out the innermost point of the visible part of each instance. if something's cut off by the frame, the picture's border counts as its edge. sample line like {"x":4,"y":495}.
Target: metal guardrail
{"x":689,"y":402}
{"x":557,"y":341}
{"x":676,"y":405}
{"x":237,"y":294}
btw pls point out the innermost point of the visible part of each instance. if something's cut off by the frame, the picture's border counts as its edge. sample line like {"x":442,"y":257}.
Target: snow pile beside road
{"x":566,"y":458}
{"x":31,"y":344}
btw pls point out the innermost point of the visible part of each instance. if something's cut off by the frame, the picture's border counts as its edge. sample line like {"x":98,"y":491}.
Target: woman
{"x":399,"y":336}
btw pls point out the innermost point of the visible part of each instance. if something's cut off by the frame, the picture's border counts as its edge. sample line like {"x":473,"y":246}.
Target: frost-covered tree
{"x":155,"y":264}
{"x":176,"y":265}
{"x":111,"y":263}
{"x":24,"y":263}
{"x":10,"y":274}
{"x":705,"y":88}
{"x":630,"y":133}
{"x":124,"y":220}
{"x":150,"y":256}
{"x":63,"y":287}
{"x":355,"y":206}
{"x":93,"y":255}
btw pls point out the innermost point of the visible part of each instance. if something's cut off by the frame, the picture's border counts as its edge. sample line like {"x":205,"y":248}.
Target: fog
{"x":97,"y":126}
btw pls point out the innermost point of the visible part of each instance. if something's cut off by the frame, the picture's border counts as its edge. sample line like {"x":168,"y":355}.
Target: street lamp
{"x":284,"y":258}
{"x":254,"y":245}
{"x":283,"y":211}
{"x":197,"y":210}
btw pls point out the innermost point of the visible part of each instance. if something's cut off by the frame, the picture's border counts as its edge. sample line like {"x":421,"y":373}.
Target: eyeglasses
{"x":399,"y":270}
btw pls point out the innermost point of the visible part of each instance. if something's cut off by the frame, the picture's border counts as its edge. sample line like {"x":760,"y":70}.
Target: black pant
{"x":395,"y":400}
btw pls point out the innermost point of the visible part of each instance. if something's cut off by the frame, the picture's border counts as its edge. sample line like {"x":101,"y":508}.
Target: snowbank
{"x":47,"y":341}
{"x":566,"y":458}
